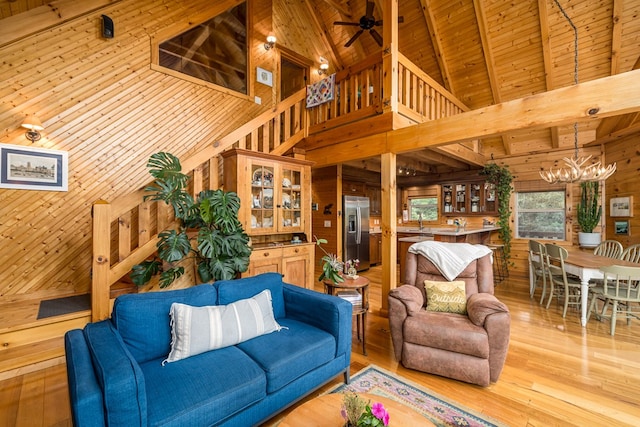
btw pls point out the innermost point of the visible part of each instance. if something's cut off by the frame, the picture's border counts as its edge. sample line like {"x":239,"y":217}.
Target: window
{"x":214,"y":51}
{"x":540,"y":215}
{"x":427,"y":206}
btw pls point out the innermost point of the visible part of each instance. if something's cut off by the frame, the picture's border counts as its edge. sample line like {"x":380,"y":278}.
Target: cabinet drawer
{"x":266,"y":253}
{"x":297,"y":250}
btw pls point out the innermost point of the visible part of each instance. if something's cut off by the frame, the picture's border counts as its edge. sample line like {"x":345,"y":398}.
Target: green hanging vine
{"x":501,"y":177}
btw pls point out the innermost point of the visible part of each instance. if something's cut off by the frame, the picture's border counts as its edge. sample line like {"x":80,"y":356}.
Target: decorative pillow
{"x":449,"y":297}
{"x":195,"y":330}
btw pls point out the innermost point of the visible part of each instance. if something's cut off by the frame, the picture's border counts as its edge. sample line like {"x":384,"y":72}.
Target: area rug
{"x":64,"y":305}
{"x":437,"y":409}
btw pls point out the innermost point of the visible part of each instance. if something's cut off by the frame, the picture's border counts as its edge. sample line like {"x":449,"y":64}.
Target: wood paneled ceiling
{"x":484,"y":51}
{"x":487,"y":52}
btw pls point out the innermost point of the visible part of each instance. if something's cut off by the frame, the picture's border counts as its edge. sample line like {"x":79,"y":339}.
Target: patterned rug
{"x":437,"y":409}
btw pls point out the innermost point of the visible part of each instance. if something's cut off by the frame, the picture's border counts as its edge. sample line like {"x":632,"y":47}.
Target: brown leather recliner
{"x":471,"y":347}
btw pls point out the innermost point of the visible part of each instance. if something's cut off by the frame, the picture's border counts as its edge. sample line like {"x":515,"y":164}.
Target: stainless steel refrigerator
{"x":356,"y":230}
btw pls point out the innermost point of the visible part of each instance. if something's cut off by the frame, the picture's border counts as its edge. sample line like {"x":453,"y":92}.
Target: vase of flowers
{"x":331,"y":264}
{"x":358,"y":413}
{"x":352,"y":268}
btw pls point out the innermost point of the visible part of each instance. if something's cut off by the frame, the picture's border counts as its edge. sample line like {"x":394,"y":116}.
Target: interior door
{"x":293,"y":76}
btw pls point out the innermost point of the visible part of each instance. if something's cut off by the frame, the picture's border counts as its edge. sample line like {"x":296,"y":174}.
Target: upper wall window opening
{"x":214,"y":51}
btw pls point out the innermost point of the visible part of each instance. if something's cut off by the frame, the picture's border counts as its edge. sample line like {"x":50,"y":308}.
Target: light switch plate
{"x":327,"y":224}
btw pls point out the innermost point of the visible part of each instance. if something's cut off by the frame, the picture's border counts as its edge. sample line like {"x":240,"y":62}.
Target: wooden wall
{"x":100,"y":101}
{"x":626,"y":154}
{"x":326,"y":190}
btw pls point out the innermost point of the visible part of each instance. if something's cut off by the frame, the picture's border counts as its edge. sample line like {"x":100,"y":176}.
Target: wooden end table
{"x":324,"y":411}
{"x":361,"y":285}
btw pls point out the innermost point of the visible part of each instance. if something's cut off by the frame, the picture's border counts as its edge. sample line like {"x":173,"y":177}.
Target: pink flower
{"x":380,"y":413}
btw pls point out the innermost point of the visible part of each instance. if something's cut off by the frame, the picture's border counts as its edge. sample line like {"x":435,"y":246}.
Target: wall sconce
{"x":271,"y":42}
{"x":324,"y":66}
{"x":33,"y":126}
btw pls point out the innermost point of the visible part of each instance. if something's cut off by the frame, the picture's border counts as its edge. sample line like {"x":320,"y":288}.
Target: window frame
{"x":424,"y":196}
{"x":517,"y":211}
{"x":174,"y":30}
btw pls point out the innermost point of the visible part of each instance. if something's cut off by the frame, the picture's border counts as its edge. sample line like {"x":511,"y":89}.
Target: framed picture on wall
{"x":30,"y":168}
{"x":621,"y":206}
{"x":622,"y":228}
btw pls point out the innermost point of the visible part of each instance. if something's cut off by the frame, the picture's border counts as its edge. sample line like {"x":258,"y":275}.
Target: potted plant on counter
{"x":209,"y":229}
{"x":589,"y":213}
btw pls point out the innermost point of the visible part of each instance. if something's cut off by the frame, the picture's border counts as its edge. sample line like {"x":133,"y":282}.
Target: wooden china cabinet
{"x":469,"y":198}
{"x":275,"y":211}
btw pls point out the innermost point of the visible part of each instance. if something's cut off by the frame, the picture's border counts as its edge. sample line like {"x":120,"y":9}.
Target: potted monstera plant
{"x":589,"y":213}
{"x":209,"y":230}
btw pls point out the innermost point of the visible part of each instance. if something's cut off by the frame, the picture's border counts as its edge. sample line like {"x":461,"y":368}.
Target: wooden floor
{"x":556,"y":373}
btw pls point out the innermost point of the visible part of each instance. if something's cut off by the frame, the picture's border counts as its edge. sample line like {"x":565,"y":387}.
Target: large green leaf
{"x":169,"y":276}
{"x":211,"y":243}
{"x":205,"y":272}
{"x":173,"y":246}
{"x":142,"y":273}
{"x":166,"y":167}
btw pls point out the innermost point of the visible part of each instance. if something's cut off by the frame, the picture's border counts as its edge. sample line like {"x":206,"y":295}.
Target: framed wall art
{"x":263,"y":76}
{"x":621,"y":206}
{"x":621,"y":228}
{"x":30,"y":168}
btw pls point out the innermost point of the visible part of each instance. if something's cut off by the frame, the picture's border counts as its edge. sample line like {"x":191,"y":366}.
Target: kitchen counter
{"x":465,"y":235}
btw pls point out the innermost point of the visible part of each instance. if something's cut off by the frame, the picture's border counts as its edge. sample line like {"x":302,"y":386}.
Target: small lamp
{"x":33,"y":126}
{"x":324,"y":66}
{"x":271,"y":42}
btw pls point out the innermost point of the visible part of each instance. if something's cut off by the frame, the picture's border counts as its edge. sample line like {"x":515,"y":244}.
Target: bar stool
{"x":500,"y":264}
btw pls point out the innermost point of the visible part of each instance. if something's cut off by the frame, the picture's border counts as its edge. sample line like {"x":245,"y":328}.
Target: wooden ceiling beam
{"x":591,"y":100}
{"x":340,"y":8}
{"x":490,"y":63}
{"x":437,"y":46}
{"x":543,"y":17}
{"x":616,"y":125}
{"x":616,"y":36}
{"x":326,"y":39}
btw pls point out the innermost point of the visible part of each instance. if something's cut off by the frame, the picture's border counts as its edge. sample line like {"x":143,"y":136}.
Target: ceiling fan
{"x":367,"y":22}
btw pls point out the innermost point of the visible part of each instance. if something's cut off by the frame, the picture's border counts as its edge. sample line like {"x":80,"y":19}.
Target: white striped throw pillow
{"x":195,"y":330}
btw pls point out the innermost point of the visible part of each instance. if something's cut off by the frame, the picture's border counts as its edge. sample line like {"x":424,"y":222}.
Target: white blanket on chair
{"x":450,"y":258}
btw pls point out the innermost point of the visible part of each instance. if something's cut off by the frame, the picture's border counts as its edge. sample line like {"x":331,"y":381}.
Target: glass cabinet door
{"x":490,"y":204}
{"x":291,"y":199}
{"x":475,"y":193}
{"x":447,"y":198}
{"x":460,"y":205}
{"x":262,"y":197}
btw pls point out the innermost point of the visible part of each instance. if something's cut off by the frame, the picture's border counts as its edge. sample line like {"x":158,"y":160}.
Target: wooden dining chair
{"x":537,"y":266}
{"x":621,"y":288}
{"x":609,"y":248}
{"x":558,"y":277}
{"x":632,"y":253}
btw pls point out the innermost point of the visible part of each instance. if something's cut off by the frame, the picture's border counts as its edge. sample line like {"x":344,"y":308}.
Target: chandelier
{"x":575,"y":169}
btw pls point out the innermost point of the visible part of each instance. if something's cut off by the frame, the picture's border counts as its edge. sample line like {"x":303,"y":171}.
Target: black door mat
{"x":66,"y":305}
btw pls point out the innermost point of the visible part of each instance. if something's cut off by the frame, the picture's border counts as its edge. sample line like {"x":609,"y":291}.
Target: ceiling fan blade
{"x":369,"y":13}
{"x":352,"y":39}
{"x":355,"y":24}
{"x":376,"y":36}
{"x":379,"y":22}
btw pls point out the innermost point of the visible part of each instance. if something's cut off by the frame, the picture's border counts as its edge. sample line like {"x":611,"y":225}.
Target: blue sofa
{"x":117,"y":378}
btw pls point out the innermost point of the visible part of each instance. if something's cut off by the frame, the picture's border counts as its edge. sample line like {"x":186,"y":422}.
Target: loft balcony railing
{"x":125,"y":230}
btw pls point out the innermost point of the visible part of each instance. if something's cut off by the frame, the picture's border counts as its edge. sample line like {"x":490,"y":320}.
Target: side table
{"x":361,"y":285}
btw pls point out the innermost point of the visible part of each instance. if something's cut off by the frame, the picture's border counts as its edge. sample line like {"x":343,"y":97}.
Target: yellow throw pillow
{"x":449,"y":297}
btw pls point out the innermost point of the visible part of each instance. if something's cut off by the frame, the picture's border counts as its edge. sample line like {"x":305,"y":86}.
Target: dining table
{"x":585,"y":265}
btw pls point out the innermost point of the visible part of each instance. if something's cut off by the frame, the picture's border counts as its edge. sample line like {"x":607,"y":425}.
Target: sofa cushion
{"x":297,"y":349}
{"x":195,"y":330}
{"x":447,"y":331}
{"x":119,"y":376}
{"x":232,"y":290}
{"x":143,"y":319}
{"x":448,"y":297}
{"x":202,"y":390}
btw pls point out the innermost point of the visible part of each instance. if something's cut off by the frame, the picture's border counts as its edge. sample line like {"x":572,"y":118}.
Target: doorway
{"x":294,"y":72}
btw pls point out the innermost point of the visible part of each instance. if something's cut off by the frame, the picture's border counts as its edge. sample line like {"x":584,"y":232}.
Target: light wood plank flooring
{"x":556,"y":373}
